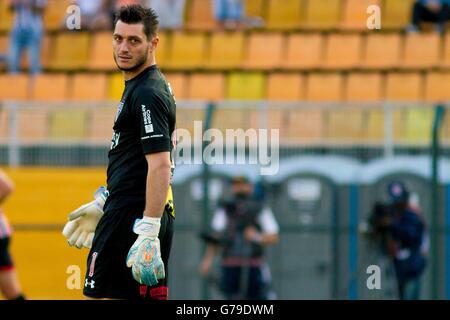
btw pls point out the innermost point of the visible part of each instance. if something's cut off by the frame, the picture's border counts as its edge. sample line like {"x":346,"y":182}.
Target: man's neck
{"x":128,"y":75}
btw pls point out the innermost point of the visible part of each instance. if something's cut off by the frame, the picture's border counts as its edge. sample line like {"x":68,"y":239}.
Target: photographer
{"x":242,"y":227}
{"x":406,"y":241}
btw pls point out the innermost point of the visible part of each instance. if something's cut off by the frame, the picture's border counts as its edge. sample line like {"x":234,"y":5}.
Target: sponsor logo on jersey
{"x":146,"y":115}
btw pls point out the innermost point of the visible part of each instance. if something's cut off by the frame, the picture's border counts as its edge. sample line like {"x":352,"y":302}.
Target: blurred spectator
{"x":9,"y":283}
{"x":242,"y":227}
{"x":407,"y":243}
{"x":435,"y":11}
{"x":27,"y":33}
{"x":229,"y":13}
{"x":94,"y":14}
{"x":170,"y":12}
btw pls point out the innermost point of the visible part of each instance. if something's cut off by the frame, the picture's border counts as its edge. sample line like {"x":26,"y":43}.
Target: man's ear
{"x":154,"y":42}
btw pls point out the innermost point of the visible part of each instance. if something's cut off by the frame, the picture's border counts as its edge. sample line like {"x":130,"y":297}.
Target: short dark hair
{"x":135,"y":13}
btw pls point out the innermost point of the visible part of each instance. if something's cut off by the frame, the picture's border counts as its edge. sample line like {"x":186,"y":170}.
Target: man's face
{"x":131,"y":46}
{"x":242,"y":188}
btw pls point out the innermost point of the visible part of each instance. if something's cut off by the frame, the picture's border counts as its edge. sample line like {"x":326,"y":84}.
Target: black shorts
{"x":5,"y":258}
{"x":107,"y":274}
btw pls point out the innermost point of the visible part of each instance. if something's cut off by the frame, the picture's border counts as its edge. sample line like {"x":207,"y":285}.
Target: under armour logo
{"x":91,"y":283}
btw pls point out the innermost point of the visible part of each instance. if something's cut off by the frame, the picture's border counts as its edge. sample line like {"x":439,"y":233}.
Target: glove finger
{"x":160,"y":271}
{"x":146,"y":274}
{"x":81,"y":239}
{"x":69,"y":228}
{"x":131,"y":257}
{"x":89,"y":239}
{"x":73,"y":239}
{"x":78,"y":213}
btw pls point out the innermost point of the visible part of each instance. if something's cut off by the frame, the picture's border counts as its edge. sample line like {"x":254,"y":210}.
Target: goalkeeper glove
{"x":144,"y":257}
{"x":80,"y":229}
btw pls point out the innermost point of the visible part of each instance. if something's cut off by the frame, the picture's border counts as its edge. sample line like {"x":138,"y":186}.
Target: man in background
{"x":9,"y":283}
{"x":435,"y":11}
{"x":27,"y":33}
{"x":242,"y":226}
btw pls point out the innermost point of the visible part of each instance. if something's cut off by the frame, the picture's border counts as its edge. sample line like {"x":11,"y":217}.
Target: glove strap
{"x":101,"y":194}
{"x":147,"y":226}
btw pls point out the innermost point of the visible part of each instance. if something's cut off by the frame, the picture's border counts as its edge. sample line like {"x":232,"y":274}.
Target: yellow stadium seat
{"x":200,"y":15}
{"x":100,"y":54}
{"x":116,"y":85}
{"x":311,"y":129}
{"x":437,"y":87}
{"x":396,"y":14}
{"x":230,"y":118}
{"x":364,"y":87}
{"x":188,"y":51}
{"x":14,"y":87}
{"x":163,"y":49}
{"x":421,"y":50}
{"x":272,"y":118}
{"x":4,"y":128}
{"x":345,"y":125}
{"x":179,"y":83}
{"x":101,"y":124}
{"x":88,"y":87}
{"x":418,"y":125}
{"x":355,"y":13}
{"x":50,"y":87}
{"x":255,"y":8}
{"x":343,"y":51}
{"x":285,"y":87}
{"x":375,"y":126}
{"x":382,"y":51}
{"x":264,"y":51}
{"x":284,"y":14}
{"x":304,"y":51}
{"x":446,"y":58}
{"x":55,"y":14}
{"x":4,"y":44}
{"x":186,"y":118}
{"x":6,"y":16}
{"x":323,"y":14}
{"x":226,"y":50}
{"x":404,"y":87}
{"x":68,"y":124}
{"x":38,"y":132}
{"x":324,"y":87}
{"x":46,"y":51}
{"x":245,"y":86}
{"x":70,"y":51}
{"x":210,"y":87}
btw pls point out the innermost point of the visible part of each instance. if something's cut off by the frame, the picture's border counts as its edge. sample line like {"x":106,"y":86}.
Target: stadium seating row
{"x":278,"y":14}
{"x":339,"y":125}
{"x":256,"y":51}
{"x":278,"y":86}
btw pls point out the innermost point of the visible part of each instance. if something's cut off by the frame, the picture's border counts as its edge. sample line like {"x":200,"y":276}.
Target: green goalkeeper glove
{"x":144,"y":257}
{"x":80,"y":229}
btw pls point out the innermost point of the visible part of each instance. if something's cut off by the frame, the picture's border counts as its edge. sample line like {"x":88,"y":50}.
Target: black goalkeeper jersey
{"x":144,"y":124}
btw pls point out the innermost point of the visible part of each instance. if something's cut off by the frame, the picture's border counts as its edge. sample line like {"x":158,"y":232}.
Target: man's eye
{"x":134,"y":41}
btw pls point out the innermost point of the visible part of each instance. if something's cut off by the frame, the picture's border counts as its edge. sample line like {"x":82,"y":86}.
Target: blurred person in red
{"x":9,"y":283}
{"x":27,"y":33}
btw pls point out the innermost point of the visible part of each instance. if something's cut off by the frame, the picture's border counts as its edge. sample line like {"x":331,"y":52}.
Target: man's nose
{"x":123,"y":48}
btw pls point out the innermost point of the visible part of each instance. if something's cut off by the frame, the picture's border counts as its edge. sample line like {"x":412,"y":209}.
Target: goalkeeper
{"x":129,"y":225}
